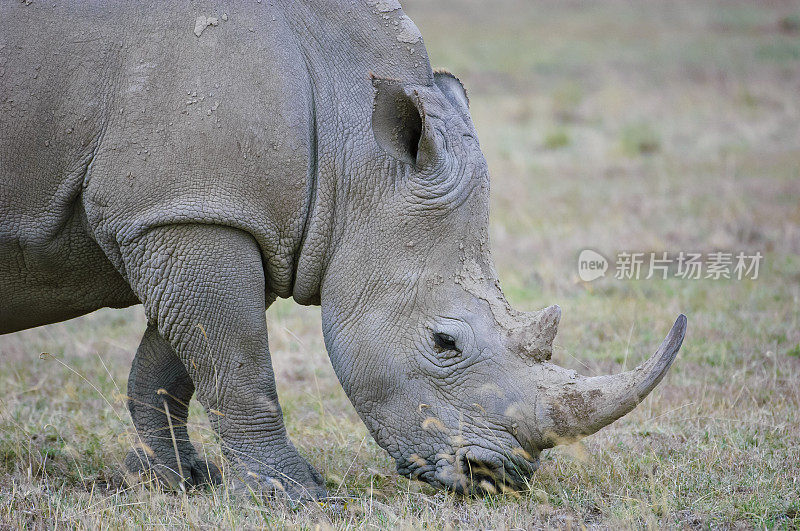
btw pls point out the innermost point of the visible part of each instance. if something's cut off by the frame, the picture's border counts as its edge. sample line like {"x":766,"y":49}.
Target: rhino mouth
{"x":478,"y":471}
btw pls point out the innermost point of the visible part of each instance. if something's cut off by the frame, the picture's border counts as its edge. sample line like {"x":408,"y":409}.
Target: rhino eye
{"x":445,"y":341}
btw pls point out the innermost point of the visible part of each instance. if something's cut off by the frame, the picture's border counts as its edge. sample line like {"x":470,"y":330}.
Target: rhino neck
{"x":343,"y":42}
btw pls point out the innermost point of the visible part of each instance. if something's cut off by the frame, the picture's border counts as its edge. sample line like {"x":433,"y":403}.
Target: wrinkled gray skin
{"x":296,"y":149}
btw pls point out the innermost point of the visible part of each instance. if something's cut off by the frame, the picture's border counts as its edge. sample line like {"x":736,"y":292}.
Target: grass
{"x":639,"y":139}
{"x":717,"y":444}
{"x":556,"y":139}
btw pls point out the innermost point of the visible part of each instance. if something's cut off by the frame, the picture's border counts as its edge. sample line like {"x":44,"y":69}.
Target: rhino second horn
{"x":535,"y":337}
{"x":579,"y":406}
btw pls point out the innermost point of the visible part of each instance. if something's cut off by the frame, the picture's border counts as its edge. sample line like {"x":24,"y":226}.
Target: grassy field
{"x":637,"y":126}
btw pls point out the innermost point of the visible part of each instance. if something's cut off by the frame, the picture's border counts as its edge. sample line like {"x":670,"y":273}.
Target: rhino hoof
{"x":290,"y":490}
{"x":196,"y":472}
{"x":272,"y":488}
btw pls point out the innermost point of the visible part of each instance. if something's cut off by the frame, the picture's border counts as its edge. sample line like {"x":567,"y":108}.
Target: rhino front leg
{"x":159,"y":386}
{"x":204,"y":287}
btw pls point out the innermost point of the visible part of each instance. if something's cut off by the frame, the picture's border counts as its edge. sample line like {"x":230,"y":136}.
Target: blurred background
{"x":642,"y":126}
{"x":615,"y":126}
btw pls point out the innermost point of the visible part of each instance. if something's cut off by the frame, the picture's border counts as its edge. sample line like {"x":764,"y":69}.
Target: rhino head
{"x":452,"y":381}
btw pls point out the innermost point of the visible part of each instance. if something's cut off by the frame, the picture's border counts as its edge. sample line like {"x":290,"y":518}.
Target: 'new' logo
{"x":591,"y":265}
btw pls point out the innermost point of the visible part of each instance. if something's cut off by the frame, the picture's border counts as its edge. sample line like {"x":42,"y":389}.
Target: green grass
{"x":556,"y":139}
{"x":713,"y":87}
{"x":639,"y":139}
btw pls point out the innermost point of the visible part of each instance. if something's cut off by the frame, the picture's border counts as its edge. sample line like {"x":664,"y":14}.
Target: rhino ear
{"x":398,"y":122}
{"x":452,"y":88}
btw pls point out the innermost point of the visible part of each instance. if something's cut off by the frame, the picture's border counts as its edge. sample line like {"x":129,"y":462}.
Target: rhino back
{"x":123,"y":118}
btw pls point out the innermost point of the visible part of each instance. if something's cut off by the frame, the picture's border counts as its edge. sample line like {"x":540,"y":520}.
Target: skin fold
{"x":204,"y":159}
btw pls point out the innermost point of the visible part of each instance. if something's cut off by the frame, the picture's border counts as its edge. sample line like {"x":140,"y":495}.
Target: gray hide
{"x":204,"y":158}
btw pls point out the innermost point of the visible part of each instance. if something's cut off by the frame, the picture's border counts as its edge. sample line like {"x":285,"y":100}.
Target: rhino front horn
{"x":580,"y":406}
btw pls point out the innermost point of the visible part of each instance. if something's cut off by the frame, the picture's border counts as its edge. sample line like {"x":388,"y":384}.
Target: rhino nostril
{"x":493,"y":474}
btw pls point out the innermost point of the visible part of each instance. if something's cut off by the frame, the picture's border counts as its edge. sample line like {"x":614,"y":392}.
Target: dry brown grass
{"x":676,"y":128}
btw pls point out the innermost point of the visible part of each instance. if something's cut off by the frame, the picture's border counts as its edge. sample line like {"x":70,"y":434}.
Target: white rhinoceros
{"x":203,"y":158}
